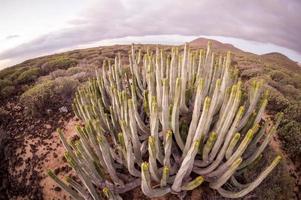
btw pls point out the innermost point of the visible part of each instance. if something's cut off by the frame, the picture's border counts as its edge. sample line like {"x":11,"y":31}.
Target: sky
{"x":31,"y":28}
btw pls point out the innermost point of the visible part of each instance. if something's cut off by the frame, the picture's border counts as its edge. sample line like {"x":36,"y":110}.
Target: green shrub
{"x":290,"y":136}
{"x":4,"y":83}
{"x":277,"y":102}
{"x":4,"y":73}
{"x":58,"y":73}
{"x":65,"y":87}
{"x":58,"y":63}
{"x":48,"y":94}
{"x":8,"y":91}
{"x":37,"y":97}
{"x":293,"y":111}
{"x":16,"y":73}
{"x":28,"y":75}
{"x":4,"y":116}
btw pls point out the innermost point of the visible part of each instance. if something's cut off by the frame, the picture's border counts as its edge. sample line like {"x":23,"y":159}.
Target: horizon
{"x":244,"y":45}
{"x":257,"y":27}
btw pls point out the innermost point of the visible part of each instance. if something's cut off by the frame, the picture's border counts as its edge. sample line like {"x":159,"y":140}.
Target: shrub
{"x":48,"y":94}
{"x":293,"y":111}
{"x":249,"y":73}
{"x":58,"y":73}
{"x":58,"y":63}
{"x":37,"y":97}
{"x":290,"y":136}
{"x":16,"y":73}
{"x":8,"y":91}
{"x":4,"y":116}
{"x":65,"y":87}
{"x":277,"y":102}
{"x":4,"y":83}
{"x":28,"y":75}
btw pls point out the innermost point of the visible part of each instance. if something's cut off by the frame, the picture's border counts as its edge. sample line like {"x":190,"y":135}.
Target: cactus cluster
{"x":176,"y":119}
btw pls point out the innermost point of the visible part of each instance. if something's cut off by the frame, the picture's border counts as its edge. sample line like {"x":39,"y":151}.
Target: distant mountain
{"x":202,"y":42}
{"x":281,"y":59}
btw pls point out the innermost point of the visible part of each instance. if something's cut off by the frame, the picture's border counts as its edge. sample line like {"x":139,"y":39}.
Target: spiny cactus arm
{"x":252,"y":185}
{"x":224,"y":178}
{"x":109,"y":195}
{"x":195,"y":116}
{"x":232,"y":145}
{"x":65,"y":143}
{"x":261,"y":110}
{"x":260,"y":149}
{"x":226,"y":125}
{"x":130,"y":159}
{"x":165,"y":176}
{"x":77,"y":187}
{"x":85,"y":178}
{"x":167,"y":148}
{"x":222,"y":152}
{"x":238,"y":153}
{"x":134,"y":134}
{"x":165,"y":108}
{"x":173,"y":75}
{"x":84,"y":140}
{"x":175,"y":115}
{"x":208,"y":145}
{"x":226,"y":109}
{"x":139,"y":121}
{"x":85,"y":161}
{"x":93,"y":128}
{"x":253,"y":145}
{"x":253,"y":102}
{"x":200,"y":63}
{"x":104,"y":147}
{"x":159,"y":76}
{"x":193,"y":184}
{"x":209,"y":73}
{"x":117,"y":72}
{"x":146,"y":183}
{"x":154,"y":124}
{"x":201,"y":124}
{"x":237,"y":184}
{"x":183,"y":106}
{"x":152,"y":158}
{"x":63,"y":185}
{"x":186,"y":165}
{"x":135,"y":68}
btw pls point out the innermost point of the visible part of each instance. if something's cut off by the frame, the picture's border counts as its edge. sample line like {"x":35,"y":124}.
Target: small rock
{"x":63,"y":109}
{"x":57,"y":189}
{"x":48,"y":126}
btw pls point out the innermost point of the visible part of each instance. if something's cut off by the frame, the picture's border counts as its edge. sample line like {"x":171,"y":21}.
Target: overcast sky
{"x":30,"y":28}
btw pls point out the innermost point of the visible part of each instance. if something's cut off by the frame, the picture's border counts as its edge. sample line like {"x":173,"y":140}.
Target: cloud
{"x":12,"y":36}
{"x":270,"y":21}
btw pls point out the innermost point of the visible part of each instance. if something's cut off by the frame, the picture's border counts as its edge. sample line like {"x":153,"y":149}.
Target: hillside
{"x":36,"y":97}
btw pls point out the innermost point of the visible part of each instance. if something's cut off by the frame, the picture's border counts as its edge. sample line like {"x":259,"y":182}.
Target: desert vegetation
{"x":175,"y":122}
{"x":36,"y":98}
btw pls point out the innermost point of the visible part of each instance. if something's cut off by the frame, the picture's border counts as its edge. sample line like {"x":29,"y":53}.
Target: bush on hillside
{"x":28,"y":75}
{"x":48,"y":94}
{"x":290,"y":136}
{"x":277,"y":102}
{"x":4,"y":83}
{"x":8,"y":91}
{"x":58,"y":63}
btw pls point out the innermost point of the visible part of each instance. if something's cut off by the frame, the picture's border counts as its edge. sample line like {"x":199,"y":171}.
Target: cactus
{"x":134,"y":127}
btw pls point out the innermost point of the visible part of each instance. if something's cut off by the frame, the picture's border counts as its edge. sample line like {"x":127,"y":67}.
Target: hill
{"x":216,"y":45}
{"x":36,"y":97}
